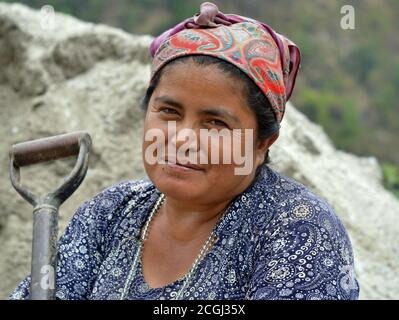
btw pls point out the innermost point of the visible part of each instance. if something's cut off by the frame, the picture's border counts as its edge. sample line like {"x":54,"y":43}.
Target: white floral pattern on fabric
{"x":277,"y":240}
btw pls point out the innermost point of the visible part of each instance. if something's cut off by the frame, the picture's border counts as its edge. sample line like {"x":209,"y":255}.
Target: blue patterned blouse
{"x":277,"y":240}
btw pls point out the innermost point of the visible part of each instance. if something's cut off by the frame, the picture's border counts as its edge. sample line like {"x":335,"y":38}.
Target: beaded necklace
{"x":144,"y":236}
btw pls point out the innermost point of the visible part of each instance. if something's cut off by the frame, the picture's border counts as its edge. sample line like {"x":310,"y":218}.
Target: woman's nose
{"x":185,"y":138}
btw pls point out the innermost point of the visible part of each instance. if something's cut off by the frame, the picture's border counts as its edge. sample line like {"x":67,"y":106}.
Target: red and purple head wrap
{"x":268,"y":58}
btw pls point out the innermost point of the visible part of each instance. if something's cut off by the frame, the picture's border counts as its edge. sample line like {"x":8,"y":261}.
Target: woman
{"x":197,"y":229}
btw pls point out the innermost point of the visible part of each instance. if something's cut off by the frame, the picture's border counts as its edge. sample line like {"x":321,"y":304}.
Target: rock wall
{"x":82,"y":76}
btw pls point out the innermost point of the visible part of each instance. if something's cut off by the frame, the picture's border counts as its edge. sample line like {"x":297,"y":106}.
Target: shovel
{"x":45,"y":208}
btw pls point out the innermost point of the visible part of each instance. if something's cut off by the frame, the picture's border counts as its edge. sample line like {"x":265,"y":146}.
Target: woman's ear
{"x":273,"y":138}
{"x":263,"y":146}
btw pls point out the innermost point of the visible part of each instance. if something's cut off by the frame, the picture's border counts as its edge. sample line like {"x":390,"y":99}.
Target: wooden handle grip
{"x":46,"y":149}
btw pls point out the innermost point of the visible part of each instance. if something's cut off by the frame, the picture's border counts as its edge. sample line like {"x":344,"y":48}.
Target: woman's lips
{"x":187,"y":166}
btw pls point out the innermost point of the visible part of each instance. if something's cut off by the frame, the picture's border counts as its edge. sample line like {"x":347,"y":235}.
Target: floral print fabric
{"x":277,"y":240}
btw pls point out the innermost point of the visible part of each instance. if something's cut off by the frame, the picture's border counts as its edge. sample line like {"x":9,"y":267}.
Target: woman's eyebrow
{"x":168,"y":100}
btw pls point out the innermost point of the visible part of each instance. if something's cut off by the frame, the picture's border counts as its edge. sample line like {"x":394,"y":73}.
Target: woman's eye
{"x":218,"y":123}
{"x":168,"y":111}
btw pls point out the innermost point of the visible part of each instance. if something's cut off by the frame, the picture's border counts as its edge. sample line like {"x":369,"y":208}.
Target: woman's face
{"x":189,"y":96}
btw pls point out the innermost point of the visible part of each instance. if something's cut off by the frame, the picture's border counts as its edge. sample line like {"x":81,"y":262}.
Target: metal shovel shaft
{"x":44,"y":249}
{"x":45,"y":211}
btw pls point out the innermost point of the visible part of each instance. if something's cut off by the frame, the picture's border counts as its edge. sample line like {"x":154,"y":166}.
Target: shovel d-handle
{"x":45,"y":208}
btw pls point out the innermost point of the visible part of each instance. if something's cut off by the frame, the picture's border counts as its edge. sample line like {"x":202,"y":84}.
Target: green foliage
{"x":325,"y":107}
{"x":391,"y":177}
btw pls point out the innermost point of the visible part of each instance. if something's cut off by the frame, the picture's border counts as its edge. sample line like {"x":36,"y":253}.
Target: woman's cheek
{"x":154,"y":142}
{"x":219,"y":150}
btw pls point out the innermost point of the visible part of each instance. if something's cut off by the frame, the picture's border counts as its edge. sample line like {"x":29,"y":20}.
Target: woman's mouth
{"x":173,"y":164}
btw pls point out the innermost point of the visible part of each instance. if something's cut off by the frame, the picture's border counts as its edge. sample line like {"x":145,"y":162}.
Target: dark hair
{"x":267,"y":124}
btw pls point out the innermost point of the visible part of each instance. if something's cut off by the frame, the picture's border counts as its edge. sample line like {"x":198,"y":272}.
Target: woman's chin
{"x":177,"y":189}
{"x":176,"y":184}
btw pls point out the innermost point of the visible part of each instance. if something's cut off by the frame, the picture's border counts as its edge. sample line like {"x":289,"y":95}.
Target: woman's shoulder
{"x":126,"y":190}
{"x":118,"y":208}
{"x":133,"y":187}
{"x":296,"y":205}
{"x":284,"y":191}
{"x":108,"y":206}
{"x":303,"y":234}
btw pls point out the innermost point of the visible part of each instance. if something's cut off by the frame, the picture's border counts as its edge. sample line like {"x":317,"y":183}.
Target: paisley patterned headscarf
{"x":271,"y":60}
